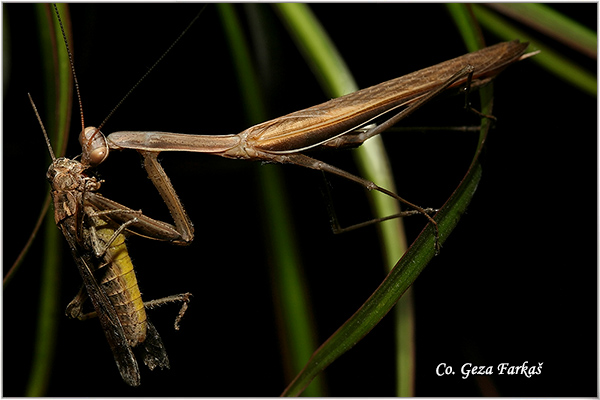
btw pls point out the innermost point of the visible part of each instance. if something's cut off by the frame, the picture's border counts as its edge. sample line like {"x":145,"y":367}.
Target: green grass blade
{"x":336,"y":80}
{"x":249,"y":87}
{"x":373,"y":164}
{"x":58,"y":103}
{"x":470,"y":31}
{"x":549,"y":59}
{"x":288,"y":281}
{"x":48,"y":312}
{"x":320,"y":53}
{"x":466,"y":25}
{"x":544,"y":19}
{"x":395,"y":285}
{"x":392,"y":288}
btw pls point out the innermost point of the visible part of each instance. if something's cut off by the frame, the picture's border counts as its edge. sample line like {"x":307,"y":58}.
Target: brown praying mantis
{"x":346,"y":121}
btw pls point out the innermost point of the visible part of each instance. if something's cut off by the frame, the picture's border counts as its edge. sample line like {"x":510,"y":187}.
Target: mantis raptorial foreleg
{"x":95,"y":149}
{"x":164,"y":186}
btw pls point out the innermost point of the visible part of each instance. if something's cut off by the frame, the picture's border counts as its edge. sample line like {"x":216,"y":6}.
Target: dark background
{"x":515,"y":282}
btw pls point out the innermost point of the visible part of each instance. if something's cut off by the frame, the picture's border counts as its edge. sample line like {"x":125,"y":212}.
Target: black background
{"x":515,"y":282}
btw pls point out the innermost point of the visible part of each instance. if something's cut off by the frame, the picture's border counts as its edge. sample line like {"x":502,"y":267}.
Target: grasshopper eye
{"x":93,"y":145}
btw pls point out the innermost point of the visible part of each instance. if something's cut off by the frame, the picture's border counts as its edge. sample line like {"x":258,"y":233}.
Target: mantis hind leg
{"x":308,"y":162}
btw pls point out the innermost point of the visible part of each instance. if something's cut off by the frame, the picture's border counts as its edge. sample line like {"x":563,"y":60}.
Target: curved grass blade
{"x":400,"y":278}
{"x":469,"y":29}
{"x":544,"y":19}
{"x":288,"y":281}
{"x":59,"y":104}
{"x":36,"y":229}
{"x":549,"y":59}
{"x":466,"y":25}
{"x":372,"y":161}
{"x":393,"y":287}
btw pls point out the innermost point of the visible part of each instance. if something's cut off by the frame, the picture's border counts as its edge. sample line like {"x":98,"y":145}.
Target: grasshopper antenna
{"x":72,"y":65}
{"x":94,"y":150}
{"x":43,"y":129}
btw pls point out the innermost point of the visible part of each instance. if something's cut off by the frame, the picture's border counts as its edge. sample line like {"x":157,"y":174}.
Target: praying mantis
{"x":345,"y":121}
{"x":115,"y":138}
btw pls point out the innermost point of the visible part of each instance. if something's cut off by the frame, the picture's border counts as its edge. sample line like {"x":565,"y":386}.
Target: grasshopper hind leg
{"x":152,"y":349}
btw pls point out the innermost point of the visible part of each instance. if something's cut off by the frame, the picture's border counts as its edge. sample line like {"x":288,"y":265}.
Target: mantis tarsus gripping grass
{"x":342,"y":122}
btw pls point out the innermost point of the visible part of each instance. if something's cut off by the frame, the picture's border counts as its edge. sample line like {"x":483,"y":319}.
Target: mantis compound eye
{"x":93,"y":145}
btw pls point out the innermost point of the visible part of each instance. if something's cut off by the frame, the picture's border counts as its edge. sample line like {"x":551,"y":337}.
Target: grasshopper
{"x":95,"y":229}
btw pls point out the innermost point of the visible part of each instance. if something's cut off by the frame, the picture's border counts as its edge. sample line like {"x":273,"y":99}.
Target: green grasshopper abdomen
{"x":120,"y":284}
